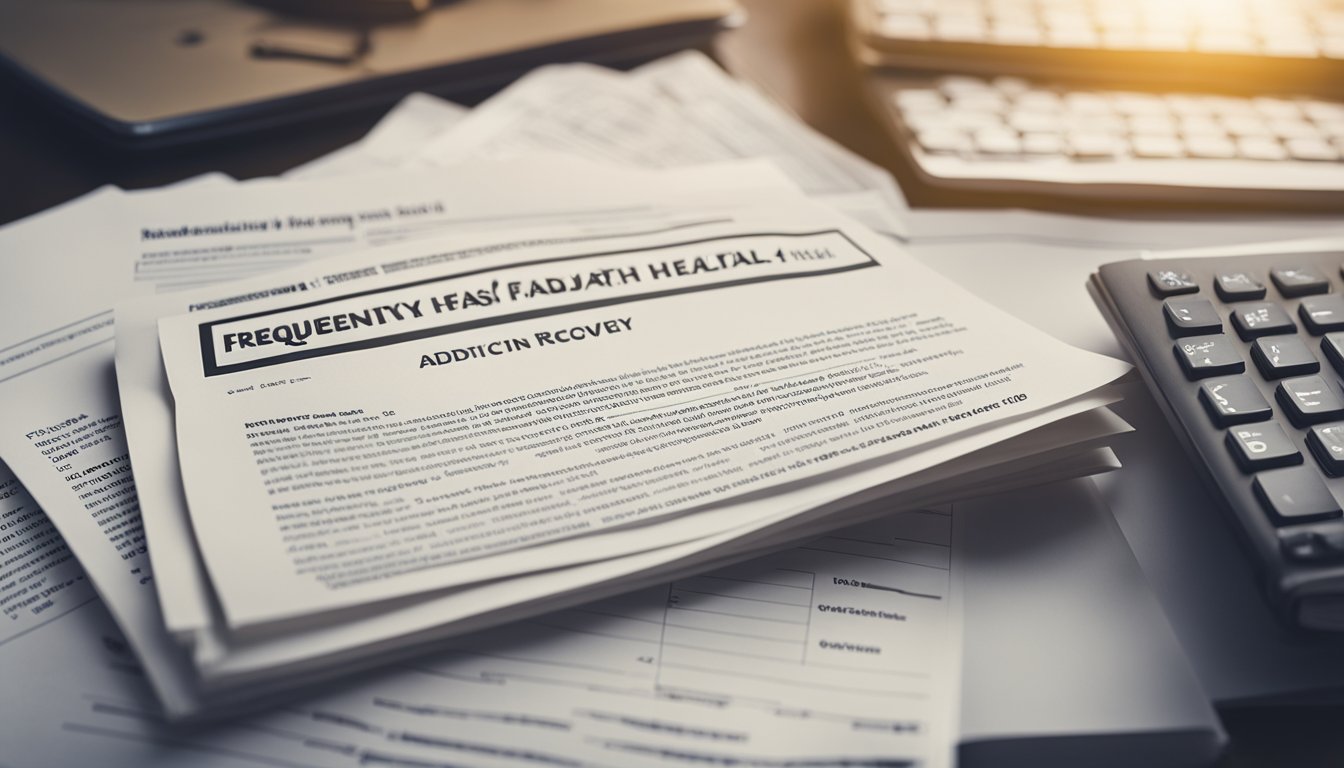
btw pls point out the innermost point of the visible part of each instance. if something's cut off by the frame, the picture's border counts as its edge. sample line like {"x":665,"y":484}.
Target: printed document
{"x":57,"y":362}
{"x":840,"y":652}
{"x":1055,"y":450}
{"x":598,"y":387}
{"x":397,"y":137}
{"x":682,"y":110}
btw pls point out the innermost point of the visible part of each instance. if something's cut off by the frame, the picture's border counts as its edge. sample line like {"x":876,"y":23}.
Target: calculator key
{"x":1327,"y":445}
{"x":1262,"y":319}
{"x":1299,"y":281}
{"x":1312,"y":546}
{"x":1234,"y":400}
{"x":1191,"y":317}
{"x":1262,"y":446}
{"x":1281,"y":356}
{"x":1205,"y":356}
{"x":1295,"y":495}
{"x":1170,"y":282}
{"x":1310,"y":400}
{"x":1333,"y":347}
{"x":1321,"y":314}
{"x":1238,"y":286}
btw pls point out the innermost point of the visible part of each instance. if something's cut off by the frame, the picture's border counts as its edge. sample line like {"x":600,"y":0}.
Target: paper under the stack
{"x":227,"y":242}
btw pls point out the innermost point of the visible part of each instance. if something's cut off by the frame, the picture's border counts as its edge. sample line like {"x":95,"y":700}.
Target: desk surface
{"x":793,"y":49}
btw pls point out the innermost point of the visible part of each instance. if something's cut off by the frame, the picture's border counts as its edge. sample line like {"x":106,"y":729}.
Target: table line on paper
{"x":874,"y":557}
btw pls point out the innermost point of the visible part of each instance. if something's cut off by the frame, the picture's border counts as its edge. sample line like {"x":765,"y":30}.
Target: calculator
{"x":1245,"y":355}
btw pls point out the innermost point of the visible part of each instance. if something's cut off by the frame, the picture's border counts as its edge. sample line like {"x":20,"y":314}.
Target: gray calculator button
{"x":1295,"y":495}
{"x":1333,"y":347}
{"x":1234,"y":400}
{"x":1191,"y":317}
{"x":1310,"y":400}
{"x":1264,"y":318}
{"x":1238,"y":286}
{"x":1170,"y":282}
{"x":1262,"y":446}
{"x":1313,"y":546}
{"x":1281,"y":356}
{"x":1327,"y":444}
{"x":1299,"y":281}
{"x":1322,"y":314}
{"x":1205,"y":356}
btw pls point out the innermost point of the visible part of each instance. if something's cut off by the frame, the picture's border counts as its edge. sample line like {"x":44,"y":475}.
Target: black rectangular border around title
{"x":205,"y":330}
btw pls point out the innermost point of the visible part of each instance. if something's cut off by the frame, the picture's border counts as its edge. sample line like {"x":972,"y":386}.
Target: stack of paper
{"x":535,"y":365}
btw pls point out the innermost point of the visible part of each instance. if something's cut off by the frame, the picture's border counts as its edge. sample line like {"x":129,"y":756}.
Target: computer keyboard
{"x":1245,"y":354}
{"x":1011,"y":134}
{"x":1297,"y":44}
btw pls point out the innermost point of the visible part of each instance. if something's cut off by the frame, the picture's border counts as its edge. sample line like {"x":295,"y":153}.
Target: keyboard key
{"x":1210,"y":147}
{"x":1157,"y":147}
{"x":1299,"y":281}
{"x":1234,"y":400}
{"x":1191,"y":317}
{"x":919,"y":99}
{"x":1152,"y":125}
{"x":1327,"y":445}
{"x":1083,"y":102}
{"x":1312,"y":546}
{"x":945,"y":141}
{"x":1293,"y":130}
{"x":1253,"y":148}
{"x":1263,"y":446}
{"x":1033,"y":122}
{"x":1311,"y":148}
{"x":1262,"y":319}
{"x":1094,"y":146}
{"x":1322,"y":314}
{"x":1295,"y":495}
{"x":1333,"y":347}
{"x":1170,"y":282}
{"x":998,"y":141}
{"x":1238,"y":286}
{"x":1310,"y":400}
{"x":1038,"y":100}
{"x":906,"y":26}
{"x":1050,"y":144}
{"x":1012,"y":86}
{"x":1201,"y":126}
{"x":1281,"y":356}
{"x":1205,"y":356}
{"x":1323,"y":111}
{"x":1279,"y":109}
{"x":1247,"y":126}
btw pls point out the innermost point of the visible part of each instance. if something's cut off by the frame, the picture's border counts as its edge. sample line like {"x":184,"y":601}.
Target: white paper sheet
{"x":369,"y":637}
{"x":141,"y":387}
{"x":398,"y":135}
{"x":991,"y":367}
{"x":839,"y":653}
{"x":58,"y":363}
{"x":677,"y":111}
